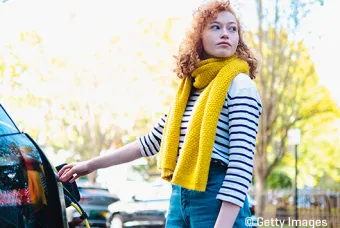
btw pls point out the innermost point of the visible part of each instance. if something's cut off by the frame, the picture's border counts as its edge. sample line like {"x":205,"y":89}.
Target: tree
{"x":287,"y":83}
{"x":95,"y":96}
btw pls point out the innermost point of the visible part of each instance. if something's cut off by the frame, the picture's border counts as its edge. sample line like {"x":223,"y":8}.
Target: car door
{"x":30,"y":193}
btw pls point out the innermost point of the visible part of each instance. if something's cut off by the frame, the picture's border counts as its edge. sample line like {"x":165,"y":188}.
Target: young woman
{"x":207,"y":139}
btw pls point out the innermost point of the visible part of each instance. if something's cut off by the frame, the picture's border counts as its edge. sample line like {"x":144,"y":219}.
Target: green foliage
{"x":292,"y":98}
{"x":279,"y":180}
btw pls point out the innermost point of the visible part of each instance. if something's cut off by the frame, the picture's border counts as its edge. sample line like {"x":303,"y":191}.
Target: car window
{"x":7,"y":126}
{"x":96,"y":196}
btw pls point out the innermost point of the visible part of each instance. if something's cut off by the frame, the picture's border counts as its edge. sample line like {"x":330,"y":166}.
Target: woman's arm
{"x":124,"y":154}
{"x":144,"y":146}
{"x":227,"y":215}
{"x":244,"y":111}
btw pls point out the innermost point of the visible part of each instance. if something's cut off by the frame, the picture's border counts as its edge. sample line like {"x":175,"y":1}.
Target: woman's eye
{"x":233,"y":28}
{"x":215,"y":27}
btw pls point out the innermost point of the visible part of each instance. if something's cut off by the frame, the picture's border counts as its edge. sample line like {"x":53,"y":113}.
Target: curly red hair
{"x":191,"y":50}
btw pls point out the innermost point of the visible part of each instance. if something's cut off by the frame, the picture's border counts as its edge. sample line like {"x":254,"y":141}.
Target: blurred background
{"x":86,"y":77}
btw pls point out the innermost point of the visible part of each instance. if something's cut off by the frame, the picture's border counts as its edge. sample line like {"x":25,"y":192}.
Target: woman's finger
{"x":67,"y":175}
{"x":62,"y":171}
{"x":75,"y":177}
{"x":65,"y":167}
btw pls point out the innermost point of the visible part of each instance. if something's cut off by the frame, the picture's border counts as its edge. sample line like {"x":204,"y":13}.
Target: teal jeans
{"x":193,"y":209}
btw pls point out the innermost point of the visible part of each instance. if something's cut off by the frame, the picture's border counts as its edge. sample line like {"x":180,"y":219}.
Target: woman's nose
{"x":224,"y":34}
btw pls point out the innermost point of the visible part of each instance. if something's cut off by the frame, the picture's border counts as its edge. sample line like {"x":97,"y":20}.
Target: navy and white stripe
{"x":235,"y":136}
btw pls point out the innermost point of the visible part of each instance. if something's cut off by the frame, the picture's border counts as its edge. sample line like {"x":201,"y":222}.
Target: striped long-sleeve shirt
{"x":235,"y":136}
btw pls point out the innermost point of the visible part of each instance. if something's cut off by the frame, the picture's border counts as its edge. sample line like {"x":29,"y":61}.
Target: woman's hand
{"x":74,"y":170}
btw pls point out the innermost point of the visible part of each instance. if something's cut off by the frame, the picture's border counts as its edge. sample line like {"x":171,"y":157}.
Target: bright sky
{"x":324,"y":43}
{"x":321,"y":35}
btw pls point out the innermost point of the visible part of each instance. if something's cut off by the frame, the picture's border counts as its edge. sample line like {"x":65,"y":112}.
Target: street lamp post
{"x":296,"y":191}
{"x":294,"y":138}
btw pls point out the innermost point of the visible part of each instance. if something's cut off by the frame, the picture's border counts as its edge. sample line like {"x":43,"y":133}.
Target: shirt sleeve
{"x":150,"y":143}
{"x":244,"y":110}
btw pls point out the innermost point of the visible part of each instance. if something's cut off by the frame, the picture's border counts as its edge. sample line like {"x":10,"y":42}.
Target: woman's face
{"x":220,"y":37}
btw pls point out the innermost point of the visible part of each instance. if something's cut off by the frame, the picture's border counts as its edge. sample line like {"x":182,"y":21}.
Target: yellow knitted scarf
{"x":213,"y":76}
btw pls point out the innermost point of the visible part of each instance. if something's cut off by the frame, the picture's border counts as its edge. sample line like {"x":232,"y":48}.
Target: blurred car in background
{"x":95,"y":202}
{"x":147,"y":208}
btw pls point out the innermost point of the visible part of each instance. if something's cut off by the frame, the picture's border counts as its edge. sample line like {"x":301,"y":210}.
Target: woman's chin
{"x":223,"y":55}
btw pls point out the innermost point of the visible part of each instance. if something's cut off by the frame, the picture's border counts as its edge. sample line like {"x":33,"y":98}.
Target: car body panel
{"x":30,"y":192}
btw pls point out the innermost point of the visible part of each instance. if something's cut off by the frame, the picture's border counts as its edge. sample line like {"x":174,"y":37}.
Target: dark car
{"x":147,"y":208}
{"x":31,"y":194}
{"x":95,"y":202}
